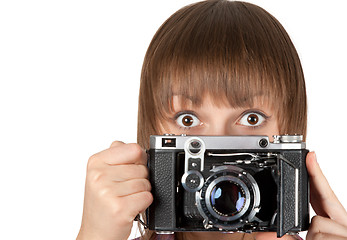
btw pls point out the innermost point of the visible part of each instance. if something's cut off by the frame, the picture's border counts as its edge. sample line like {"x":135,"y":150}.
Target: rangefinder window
{"x":169,"y":142}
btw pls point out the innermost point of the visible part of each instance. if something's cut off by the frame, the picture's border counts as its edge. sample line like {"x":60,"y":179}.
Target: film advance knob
{"x":291,"y":138}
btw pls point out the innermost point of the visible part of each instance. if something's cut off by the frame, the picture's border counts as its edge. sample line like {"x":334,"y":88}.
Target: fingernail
{"x":314,"y":156}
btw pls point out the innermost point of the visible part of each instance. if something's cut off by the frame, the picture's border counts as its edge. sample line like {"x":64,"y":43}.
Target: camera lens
{"x":227,"y":198}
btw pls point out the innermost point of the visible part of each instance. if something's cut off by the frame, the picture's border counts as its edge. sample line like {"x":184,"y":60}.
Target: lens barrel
{"x":229,"y":197}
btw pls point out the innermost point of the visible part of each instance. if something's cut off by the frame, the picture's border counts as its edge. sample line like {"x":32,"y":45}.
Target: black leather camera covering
{"x":286,"y":190}
{"x":162,"y":214}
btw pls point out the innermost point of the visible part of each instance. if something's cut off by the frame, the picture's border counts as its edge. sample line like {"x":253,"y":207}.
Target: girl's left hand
{"x":331,"y":219}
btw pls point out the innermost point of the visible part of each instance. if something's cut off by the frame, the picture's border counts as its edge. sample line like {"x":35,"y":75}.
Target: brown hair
{"x":234,"y":51}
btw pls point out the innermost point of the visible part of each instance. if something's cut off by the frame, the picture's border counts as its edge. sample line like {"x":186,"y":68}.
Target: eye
{"x":252,"y":119}
{"x":187,"y":120}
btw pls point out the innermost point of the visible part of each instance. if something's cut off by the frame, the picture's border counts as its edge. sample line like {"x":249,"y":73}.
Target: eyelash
{"x":179,"y":114}
{"x":254,"y":112}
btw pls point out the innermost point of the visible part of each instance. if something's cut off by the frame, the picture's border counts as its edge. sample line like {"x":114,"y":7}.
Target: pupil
{"x":227,"y":198}
{"x":187,"y":121}
{"x":252,"y":119}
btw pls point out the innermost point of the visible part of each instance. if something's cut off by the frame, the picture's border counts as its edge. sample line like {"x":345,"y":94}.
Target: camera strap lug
{"x":138,"y":219}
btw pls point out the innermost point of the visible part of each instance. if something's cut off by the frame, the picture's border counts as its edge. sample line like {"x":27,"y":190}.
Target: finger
{"x":131,"y":187}
{"x":324,"y":236}
{"x":323,"y":199}
{"x":126,"y":154}
{"x":142,"y":201}
{"x":120,"y":173}
{"x":272,"y":235}
{"x":326,"y":225}
{"x":116,"y":144}
{"x":122,"y":154}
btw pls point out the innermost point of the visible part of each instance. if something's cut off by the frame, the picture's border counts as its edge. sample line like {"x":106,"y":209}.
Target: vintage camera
{"x":228,"y":184}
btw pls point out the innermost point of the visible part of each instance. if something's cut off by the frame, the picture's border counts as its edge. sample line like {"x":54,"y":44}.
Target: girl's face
{"x":211,"y":119}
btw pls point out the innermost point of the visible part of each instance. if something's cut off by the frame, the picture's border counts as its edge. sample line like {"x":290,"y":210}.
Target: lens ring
{"x":250,"y":187}
{"x":242,"y":186}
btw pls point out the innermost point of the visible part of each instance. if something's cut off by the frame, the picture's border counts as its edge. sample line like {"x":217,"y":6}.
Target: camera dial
{"x":288,"y":138}
{"x":192,"y":181}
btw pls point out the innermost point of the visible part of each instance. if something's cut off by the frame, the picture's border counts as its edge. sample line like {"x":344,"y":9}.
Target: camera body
{"x":228,"y":184}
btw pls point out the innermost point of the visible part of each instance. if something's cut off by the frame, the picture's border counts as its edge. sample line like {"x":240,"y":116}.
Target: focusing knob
{"x":263,"y":143}
{"x":192,"y":181}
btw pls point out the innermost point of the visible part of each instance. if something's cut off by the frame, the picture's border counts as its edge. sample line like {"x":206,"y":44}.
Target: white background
{"x":69,"y":78}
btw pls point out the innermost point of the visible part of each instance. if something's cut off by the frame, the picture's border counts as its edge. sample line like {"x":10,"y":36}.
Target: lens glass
{"x":227,"y":198}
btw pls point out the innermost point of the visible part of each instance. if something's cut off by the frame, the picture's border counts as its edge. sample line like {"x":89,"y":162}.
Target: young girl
{"x":213,"y":68}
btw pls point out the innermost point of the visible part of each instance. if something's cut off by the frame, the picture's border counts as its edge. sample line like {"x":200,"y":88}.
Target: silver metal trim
{"x":188,"y":154}
{"x":273,"y":218}
{"x":296,"y":197}
{"x":254,"y":156}
{"x":289,"y":138}
{"x":184,"y":178}
{"x":226,"y":142}
{"x":164,"y":232}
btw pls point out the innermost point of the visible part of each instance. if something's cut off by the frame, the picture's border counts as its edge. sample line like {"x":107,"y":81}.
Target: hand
{"x":272,"y":236}
{"x":116,"y":191}
{"x":331,"y":220}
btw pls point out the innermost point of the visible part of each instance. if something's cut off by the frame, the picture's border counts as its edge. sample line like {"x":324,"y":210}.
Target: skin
{"x":117,"y":188}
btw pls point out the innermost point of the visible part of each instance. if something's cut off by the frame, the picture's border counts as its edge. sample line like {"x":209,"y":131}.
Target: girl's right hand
{"x":117,"y":189}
